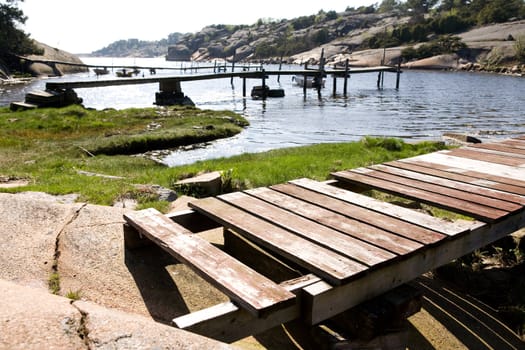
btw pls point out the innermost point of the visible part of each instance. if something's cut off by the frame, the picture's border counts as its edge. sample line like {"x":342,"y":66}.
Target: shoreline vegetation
{"x":53,"y":148}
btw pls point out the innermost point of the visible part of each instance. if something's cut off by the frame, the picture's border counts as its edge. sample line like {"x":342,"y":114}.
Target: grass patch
{"x":54,"y":283}
{"x":52,"y":147}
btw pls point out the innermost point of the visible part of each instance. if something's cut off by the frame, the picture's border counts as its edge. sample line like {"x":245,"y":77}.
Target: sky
{"x":84,"y":26}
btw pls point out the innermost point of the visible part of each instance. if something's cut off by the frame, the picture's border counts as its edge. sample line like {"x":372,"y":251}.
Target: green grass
{"x":50,"y":146}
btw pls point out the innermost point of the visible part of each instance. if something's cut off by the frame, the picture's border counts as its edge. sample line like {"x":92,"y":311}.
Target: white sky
{"x":83,"y":26}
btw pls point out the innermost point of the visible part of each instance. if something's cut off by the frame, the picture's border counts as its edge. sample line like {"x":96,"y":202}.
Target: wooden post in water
{"x":264,"y":84}
{"x":319,"y":82}
{"x":345,"y":87}
{"x":334,"y":85}
{"x":305,"y":81}
{"x":233,"y":69}
{"x":243,"y":87}
{"x":398,"y":73}
{"x":280,"y":67}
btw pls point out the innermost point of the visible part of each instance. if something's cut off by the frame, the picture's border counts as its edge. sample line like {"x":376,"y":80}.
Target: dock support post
{"x":233,"y":69}
{"x":334,"y":85}
{"x":398,"y":74}
{"x":280,"y":67}
{"x":243,"y":87}
{"x":305,"y":80}
{"x":345,"y":87}
{"x":264,"y":84}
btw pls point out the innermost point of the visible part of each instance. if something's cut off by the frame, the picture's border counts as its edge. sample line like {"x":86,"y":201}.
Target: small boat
{"x":310,"y":81}
{"x":124,"y":73}
{"x":259,"y":92}
{"x":101,"y":71}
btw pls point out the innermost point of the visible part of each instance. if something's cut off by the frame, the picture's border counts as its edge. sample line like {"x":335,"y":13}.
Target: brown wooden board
{"x":514,"y":143}
{"x":327,"y":237}
{"x":243,"y":285}
{"x":335,"y":268}
{"x":506,"y":174}
{"x":372,"y":223}
{"x":457,"y":175}
{"x":499,"y":147}
{"x":509,"y":201}
{"x":419,"y":219}
{"x":461,"y":206}
{"x":441,"y":190}
{"x":486,"y":157}
{"x":348,"y":226}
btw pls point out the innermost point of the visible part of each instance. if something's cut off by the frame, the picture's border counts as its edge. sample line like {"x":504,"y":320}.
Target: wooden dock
{"x":346,"y":247}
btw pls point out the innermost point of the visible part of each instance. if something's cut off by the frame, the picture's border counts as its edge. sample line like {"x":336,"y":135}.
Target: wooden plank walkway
{"x":356,"y":247}
{"x":259,"y":74}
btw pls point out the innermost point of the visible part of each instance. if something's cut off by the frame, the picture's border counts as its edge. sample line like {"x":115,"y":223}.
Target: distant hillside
{"x":138,"y":48}
{"x":388,"y":32}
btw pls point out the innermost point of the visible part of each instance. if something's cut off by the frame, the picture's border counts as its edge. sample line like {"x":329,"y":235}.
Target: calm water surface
{"x":427,"y":105}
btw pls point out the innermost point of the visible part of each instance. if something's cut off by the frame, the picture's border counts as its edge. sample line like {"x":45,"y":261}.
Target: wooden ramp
{"x":349,"y":246}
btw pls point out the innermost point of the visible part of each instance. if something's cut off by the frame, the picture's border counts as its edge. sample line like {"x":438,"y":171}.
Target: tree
{"x":420,"y":7}
{"x":388,"y":6}
{"x":12,"y":39}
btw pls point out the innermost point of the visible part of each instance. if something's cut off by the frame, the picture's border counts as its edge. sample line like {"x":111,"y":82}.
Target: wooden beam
{"x":259,"y":295}
{"x":227,"y":322}
{"x":323,"y":301}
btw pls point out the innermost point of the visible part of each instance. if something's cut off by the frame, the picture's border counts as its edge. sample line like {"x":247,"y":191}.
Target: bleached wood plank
{"x":251,"y":290}
{"x":473,"y":178}
{"x":498,"y":148}
{"x":323,"y":262}
{"x":401,"y":213}
{"x":478,"y":166}
{"x":484,"y":155}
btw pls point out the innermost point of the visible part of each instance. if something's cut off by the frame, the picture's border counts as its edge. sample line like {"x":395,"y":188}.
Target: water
{"x":427,"y":105}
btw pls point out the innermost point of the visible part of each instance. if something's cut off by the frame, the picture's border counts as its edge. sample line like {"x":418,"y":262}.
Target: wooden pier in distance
{"x":341,"y":247}
{"x":170,"y":90}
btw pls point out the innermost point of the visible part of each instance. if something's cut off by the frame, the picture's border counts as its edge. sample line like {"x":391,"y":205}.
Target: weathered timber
{"x":458,"y":175}
{"x":322,"y":235}
{"x":463,"y":206}
{"x":228,"y":323}
{"x":466,"y":164}
{"x":323,"y":301}
{"x":242,"y":284}
{"x":379,"y":224}
{"x":419,"y":219}
{"x":322,"y":261}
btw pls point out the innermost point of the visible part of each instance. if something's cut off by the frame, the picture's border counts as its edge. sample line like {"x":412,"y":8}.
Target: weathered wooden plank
{"x":479,"y":166}
{"x":515,"y":201}
{"x":369,"y":225}
{"x":323,"y":301}
{"x":515,"y":185}
{"x":514,"y":143}
{"x":440,"y":189}
{"x":472,"y":153}
{"x":472,"y":209}
{"x":329,"y":238}
{"x":227,"y":322}
{"x":251,"y":290}
{"x":460,"y":175}
{"x":404,"y":214}
{"x":323,"y":262}
{"x":397,"y":244}
{"x":501,"y":148}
